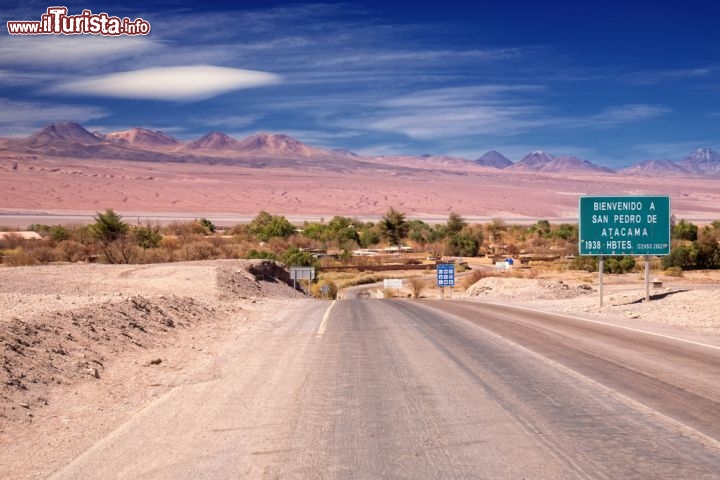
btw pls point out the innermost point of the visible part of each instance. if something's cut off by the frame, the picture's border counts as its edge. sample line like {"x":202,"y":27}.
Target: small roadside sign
{"x":445,"y":274}
{"x":324,"y":290}
{"x":395,"y":283}
{"x":302,"y":273}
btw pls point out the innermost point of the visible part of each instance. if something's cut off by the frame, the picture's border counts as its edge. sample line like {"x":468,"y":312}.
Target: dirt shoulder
{"x":687,"y":306}
{"x":86,"y":346}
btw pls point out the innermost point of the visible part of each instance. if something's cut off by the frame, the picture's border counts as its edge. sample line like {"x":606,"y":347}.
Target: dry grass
{"x":673,"y":272}
{"x":473,"y":278}
{"x":417,"y":285}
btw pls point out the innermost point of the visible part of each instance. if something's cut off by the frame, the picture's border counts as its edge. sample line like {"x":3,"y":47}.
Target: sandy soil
{"x":64,"y":185}
{"x":87,"y":345}
{"x":689,"y":304}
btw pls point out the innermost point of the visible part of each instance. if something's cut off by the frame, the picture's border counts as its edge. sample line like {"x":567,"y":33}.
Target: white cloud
{"x":8,"y":77}
{"x":370,"y":58}
{"x":71,"y":51}
{"x":668,"y":150}
{"x":170,"y":83}
{"x":228,"y":121}
{"x":625,"y":114}
{"x":654,"y":77}
{"x":438,"y":123}
{"x":456,"y":112}
{"x":486,"y":110}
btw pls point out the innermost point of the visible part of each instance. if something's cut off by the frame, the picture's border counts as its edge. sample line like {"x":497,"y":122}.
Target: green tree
{"x":393,"y":227}
{"x":343,"y":229}
{"x":293,"y":257}
{"x":622,"y":264}
{"x":59,"y":233}
{"x":566,"y":231}
{"x":147,"y":236}
{"x":455,"y":224}
{"x":683,"y":256}
{"x":260,"y":254}
{"x":266,"y":226}
{"x":419,"y":232}
{"x":207,"y":225}
{"x":315,"y":231}
{"x":467,"y":242}
{"x":369,"y":234}
{"x":685,"y":231}
{"x":463,"y":244}
{"x":541,"y":228}
{"x":112,"y":234}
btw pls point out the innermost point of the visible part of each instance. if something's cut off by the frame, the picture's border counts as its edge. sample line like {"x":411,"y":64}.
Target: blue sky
{"x":610,"y":82}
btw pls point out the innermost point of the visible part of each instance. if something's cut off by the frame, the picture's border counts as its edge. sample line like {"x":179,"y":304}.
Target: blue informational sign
{"x":446,"y":275}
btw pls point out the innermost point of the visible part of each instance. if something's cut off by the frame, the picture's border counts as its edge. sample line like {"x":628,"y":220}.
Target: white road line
{"x":323,"y":324}
{"x":632,"y":403}
{"x":636,"y":330}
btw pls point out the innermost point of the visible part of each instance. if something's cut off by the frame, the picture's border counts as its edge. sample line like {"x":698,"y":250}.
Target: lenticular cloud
{"x":187,"y":83}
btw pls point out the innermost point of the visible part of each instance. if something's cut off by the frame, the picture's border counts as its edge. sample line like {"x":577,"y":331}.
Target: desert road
{"x":433,"y":389}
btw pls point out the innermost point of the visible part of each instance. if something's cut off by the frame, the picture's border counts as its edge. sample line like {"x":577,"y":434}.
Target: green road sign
{"x":629,"y":225}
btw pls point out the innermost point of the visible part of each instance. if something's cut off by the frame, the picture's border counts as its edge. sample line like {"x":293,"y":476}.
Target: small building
{"x":26,"y":235}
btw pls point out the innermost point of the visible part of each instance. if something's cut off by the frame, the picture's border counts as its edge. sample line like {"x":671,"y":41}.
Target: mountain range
{"x":69,"y":139}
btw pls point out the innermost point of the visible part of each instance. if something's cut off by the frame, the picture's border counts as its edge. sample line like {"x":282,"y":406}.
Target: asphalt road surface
{"x":444,"y":389}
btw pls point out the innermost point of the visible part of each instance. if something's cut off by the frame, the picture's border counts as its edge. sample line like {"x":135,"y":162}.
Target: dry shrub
{"x":200,"y":250}
{"x":18,"y":258}
{"x":234,"y":251}
{"x":473,"y":278}
{"x":673,"y":272}
{"x":315,"y":289}
{"x":417,"y":285}
{"x":216,"y":242}
{"x":121,"y":251}
{"x":277,"y":245}
{"x":12,"y":240}
{"x":42,"y":254}
{"x":170,"y":243}
{"x":71,"y":251}
{"x":300,"y":242}
{"x":155,"y":255}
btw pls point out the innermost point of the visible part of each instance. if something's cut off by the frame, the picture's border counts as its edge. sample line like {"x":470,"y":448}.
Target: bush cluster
{"x":111,"y":239}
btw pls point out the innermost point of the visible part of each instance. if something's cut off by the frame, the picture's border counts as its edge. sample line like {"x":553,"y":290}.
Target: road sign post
{"x":601,"y":272}
{"x":301,"y":273}
{"x":636,"y":225}
{"x":445,"y":276}
{"x":393,"y":283}
{"x":624,"y":225}
{"x":647,"y":278}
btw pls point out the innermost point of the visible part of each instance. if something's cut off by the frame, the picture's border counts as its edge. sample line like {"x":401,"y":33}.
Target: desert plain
{"x":89,"y":346}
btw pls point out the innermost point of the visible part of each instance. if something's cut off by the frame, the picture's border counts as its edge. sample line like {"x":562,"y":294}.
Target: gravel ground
{"x":693,"y":308}
{"x":60,"y":325}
